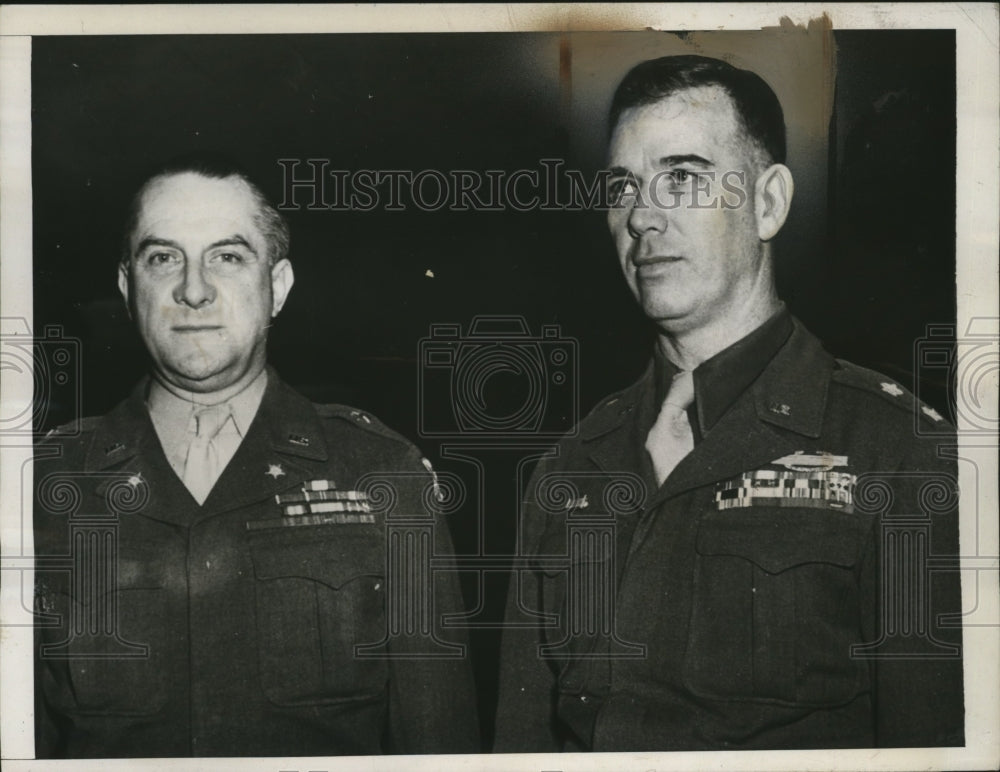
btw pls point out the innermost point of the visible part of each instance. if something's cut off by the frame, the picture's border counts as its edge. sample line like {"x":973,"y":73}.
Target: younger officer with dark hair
{"x":766,"y":582}
{"x":233,"y":589}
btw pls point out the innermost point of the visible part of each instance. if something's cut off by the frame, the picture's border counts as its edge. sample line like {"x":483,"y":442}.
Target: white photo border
{"x":978,"y":140}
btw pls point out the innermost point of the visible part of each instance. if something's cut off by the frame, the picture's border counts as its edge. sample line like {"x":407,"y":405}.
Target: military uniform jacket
{"x":248,"y":626}
{"x":792,"y":584}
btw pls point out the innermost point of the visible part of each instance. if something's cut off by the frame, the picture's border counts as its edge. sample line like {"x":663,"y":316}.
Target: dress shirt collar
{"x":175,"y":410}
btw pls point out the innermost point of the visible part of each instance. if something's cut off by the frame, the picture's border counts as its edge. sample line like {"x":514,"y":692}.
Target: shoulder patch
{"x":889,"y":390}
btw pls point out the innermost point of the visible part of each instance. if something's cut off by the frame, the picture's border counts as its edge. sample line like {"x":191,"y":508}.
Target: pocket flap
{"x":778,"y":539}
{"x":332,"y":562}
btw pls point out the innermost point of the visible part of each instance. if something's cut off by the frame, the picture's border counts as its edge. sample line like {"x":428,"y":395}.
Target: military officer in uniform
{"x":214,"y":576}
{"x":755,"y":571}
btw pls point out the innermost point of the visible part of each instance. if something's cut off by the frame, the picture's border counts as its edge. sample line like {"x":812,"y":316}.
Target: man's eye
{"x":620,"y":188}
{"x":681,"y":176}
{"x":161,"y":258}
{"x":228,"y":257}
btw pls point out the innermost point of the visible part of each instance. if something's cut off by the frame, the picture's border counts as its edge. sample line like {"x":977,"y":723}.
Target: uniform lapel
{"x":615,"y":440}
{"x":615,"y":444}
{"x":780,"y":413}
{"x":284,"y":446}
{"x":125,"y":446}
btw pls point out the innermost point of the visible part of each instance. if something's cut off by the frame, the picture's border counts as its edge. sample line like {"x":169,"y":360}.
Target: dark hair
{"x":215,"y":166}
{"x":756,"y":104}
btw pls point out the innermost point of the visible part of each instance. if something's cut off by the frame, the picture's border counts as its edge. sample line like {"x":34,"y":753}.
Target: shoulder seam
{"x":888,"y":389}
{"x":360,"y":418}
{"x":76,"y":428}
{"x":606,"y":402}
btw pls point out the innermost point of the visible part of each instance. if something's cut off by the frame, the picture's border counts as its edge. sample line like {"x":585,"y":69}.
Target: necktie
{"x":201,"y":466}
{"x":671,"y":439}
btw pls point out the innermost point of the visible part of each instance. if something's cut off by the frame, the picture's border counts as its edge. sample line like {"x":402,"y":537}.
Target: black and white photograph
{"x":433,"y":385}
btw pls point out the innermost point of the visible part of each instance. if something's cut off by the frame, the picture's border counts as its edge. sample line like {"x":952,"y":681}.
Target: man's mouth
{"x":196,"y":327}
{"x":657,"y":259}
{"x":649,"y":266}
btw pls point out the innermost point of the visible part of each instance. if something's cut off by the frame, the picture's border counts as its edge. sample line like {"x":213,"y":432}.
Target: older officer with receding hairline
{"x":248,"y":589}
{"x":750,"y":598}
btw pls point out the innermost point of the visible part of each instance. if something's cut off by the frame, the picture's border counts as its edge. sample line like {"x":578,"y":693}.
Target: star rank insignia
{"x":891,"y":388}
{"x":135,"y":480}
{"x":932,"y":413}
{"x":275,"y":471}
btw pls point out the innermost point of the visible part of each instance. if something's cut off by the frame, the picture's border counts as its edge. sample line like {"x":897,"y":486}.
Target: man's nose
{"x":647,"y":214}
{"x":194,"y":289}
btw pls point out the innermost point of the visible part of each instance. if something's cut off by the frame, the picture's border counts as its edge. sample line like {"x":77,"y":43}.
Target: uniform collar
{"x":292,"y":422}
{"x":288,"y":418}
{"x":169,"y":409}
{"x":720,"y":380}
{"x":791,"y":392}
{"x":788,"y":383}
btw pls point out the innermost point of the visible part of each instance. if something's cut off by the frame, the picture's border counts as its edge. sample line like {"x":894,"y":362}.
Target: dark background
{"x":866,"y":260}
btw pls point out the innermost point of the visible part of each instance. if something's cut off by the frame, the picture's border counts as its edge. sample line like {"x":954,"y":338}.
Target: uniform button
{"x":584,"y":699}
{"x":208,"y":564}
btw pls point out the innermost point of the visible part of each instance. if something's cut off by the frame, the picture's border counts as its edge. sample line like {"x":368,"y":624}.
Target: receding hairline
{"x":261,"y":206}
{"x":158,"y":180}
{"x":756,"y":152}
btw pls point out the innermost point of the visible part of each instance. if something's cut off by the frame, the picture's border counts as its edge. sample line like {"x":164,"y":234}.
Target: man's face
{"x":200,"y":282}
{"x":685,"y":231}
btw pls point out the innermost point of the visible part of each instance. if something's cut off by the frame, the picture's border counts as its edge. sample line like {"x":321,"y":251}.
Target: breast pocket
{"x":315,"y":602}
{"x":777,"y":606}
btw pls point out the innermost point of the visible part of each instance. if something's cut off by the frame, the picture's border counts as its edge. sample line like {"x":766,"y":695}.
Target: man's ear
{"x":282,"y":279}
{"x":772,"y":199}
{"x":123,"y":286}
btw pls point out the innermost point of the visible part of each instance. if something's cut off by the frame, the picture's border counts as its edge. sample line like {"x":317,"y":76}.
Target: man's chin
{"x":199,"y":376}
{"x":666,"y":316}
